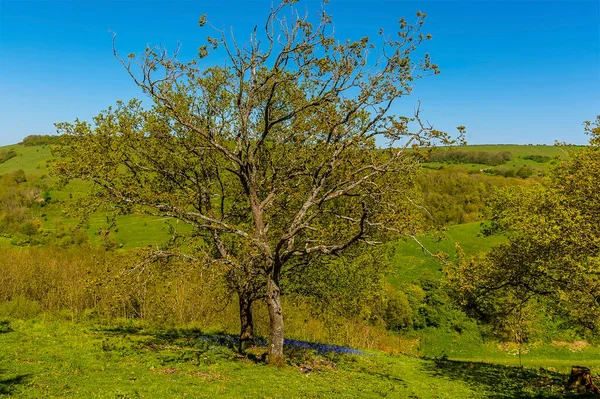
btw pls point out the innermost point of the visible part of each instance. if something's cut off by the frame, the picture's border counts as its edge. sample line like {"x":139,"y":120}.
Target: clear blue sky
{"x":511,"y":71}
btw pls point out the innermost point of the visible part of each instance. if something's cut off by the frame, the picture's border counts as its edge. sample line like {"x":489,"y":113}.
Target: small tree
{"x":553,"y":252}
{"x":271,"y":156}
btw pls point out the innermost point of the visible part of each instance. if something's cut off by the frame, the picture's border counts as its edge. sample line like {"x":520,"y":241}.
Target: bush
{"x":6,"y":155}
{"x":5,"y":327}
{"x":398,"y":313}
{"x":18,"y":176}
{"x":476,"y":157}
{"x":525,"y":172}
{"x":538,"y":158}
{"x":29,"y":228}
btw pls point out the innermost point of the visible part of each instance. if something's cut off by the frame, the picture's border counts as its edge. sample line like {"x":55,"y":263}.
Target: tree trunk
{"x":246,"y":322}
{"x":581,"y":380}
{"x":275,"y":352}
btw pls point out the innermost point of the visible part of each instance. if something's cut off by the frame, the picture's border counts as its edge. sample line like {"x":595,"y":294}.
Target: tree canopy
{"x":553,"y":251}
{"x":270,"y":154}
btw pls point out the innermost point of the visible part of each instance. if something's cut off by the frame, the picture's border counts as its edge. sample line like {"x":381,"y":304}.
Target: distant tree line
{"x":40,"y":139}
{"x":467,"y":157}
{"x":538,"y":158}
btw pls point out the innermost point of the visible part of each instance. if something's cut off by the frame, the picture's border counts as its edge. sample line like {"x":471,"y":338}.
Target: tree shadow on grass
{"x":5,"y":327}
{"x":8,"y":385}
{"x":499,"y":381}
{"x":195,"y":346}
{"x":168,"y":346}
{"x":180,"y":338}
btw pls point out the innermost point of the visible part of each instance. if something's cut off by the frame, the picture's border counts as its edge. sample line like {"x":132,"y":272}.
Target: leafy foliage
{"x":479,"y":157}
{"x":6,"y":155}
{"x":553,"y":251}
{"x":452,"y":196}
{"x":40,"y":139}
{"x":271,"y":157}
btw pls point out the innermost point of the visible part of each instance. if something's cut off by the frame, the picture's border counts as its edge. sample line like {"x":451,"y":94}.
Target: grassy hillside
{"x":136,"y":230}
{"x":61,"y":359}
{"x":410,"y":261}
{"x":537,"y":157}
{"x":34,"y":161}
{"x":45,"y":354}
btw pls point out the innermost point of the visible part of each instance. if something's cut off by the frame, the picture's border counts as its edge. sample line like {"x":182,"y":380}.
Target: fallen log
{"x":581,"y":380}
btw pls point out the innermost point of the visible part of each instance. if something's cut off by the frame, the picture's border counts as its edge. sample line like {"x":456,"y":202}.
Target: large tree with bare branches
{"x":271,"y":153}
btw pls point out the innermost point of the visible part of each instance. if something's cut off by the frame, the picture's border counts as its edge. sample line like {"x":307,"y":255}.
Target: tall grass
{"x":82,"y":283}
{"x":111,"y":285}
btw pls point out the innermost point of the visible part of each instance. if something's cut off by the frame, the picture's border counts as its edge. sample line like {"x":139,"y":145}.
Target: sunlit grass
{"x":63,"y":359}
{"x":410,"y":260}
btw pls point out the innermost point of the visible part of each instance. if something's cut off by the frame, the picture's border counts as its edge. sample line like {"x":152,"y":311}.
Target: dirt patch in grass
{"x":576,"y":346}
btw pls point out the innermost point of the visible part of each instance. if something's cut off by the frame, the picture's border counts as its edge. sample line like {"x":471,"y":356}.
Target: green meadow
{"x":537,"y":157}
{"x":50,"y":358}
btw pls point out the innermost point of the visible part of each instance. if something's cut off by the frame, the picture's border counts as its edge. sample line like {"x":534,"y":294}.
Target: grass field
{"x":133,"y":230}
{"x":62,"y":359}
{"x":518,"y":155}
{"x":34,"y":161}
{"x":410,"y":261}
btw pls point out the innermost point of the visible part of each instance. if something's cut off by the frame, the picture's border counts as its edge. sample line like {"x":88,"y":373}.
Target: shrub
{"x":18,"y":176}
{"x":525,"y":172}
{"x":6,"y":155}
{"x":473,"y":157}
{"x":29,"y":228}
{"x":398,"y":313}
{"x":538,"y":158}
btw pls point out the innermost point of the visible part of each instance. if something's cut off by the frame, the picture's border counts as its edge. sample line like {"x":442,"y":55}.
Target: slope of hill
{"x":505,"y":160}
{"x":120,"y":361}
{"x":136,"y":230}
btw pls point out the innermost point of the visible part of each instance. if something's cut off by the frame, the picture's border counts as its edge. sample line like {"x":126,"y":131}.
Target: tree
{"x":271,"y":155}
{"x":553,"y":252}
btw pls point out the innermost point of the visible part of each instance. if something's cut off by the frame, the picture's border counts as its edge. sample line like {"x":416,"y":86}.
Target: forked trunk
{"x":275,"y":351}
{"x":246,"y":323}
